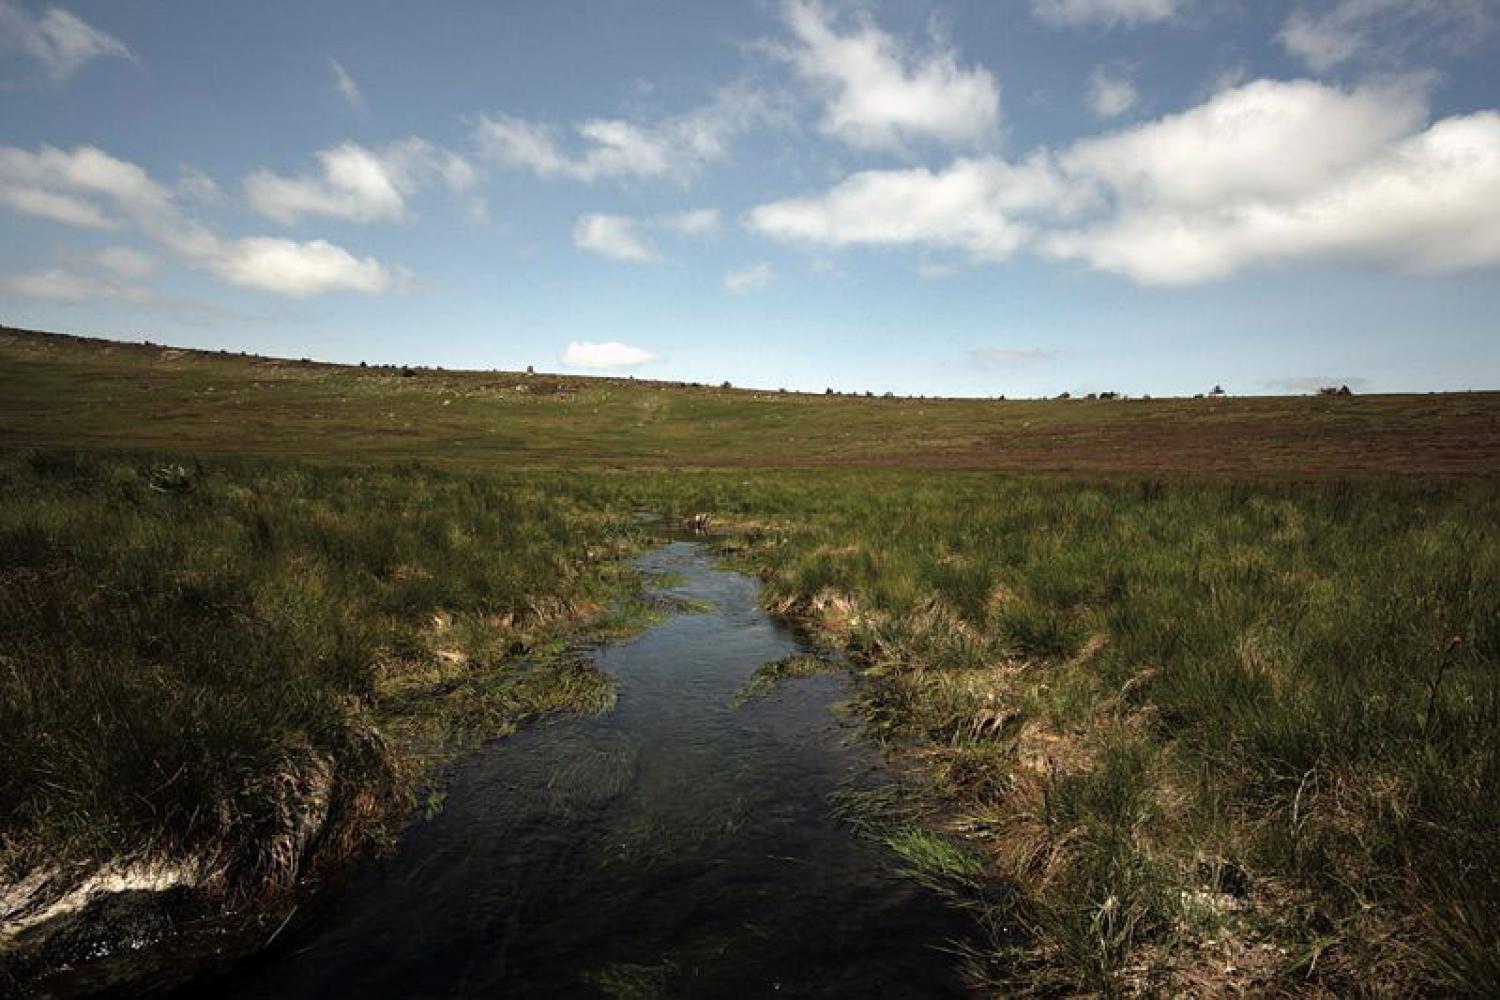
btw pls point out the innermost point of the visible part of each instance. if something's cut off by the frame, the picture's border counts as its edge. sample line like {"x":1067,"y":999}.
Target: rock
{"x":1224,"y":875}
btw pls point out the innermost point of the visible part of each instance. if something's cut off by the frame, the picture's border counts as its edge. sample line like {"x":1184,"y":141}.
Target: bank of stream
{"x":682,"y":845}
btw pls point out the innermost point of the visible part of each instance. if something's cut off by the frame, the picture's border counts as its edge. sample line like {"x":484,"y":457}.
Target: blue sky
{"x":1000,"y":196}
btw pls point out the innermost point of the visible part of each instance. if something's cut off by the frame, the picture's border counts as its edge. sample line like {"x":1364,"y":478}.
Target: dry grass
{"x":58,"y":390}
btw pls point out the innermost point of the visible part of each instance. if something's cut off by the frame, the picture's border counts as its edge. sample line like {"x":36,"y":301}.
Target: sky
{"x":1018,"y":197}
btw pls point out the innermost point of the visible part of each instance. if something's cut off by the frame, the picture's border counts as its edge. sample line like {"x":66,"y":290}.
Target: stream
{"x":677,"y":846}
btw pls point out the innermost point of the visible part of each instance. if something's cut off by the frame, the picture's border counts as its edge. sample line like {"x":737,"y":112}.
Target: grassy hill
{"x":1207,"y":709}
{"x":66,"y":390}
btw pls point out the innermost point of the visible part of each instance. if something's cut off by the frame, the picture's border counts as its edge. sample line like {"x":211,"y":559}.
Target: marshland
{"x":1125,"y":733}
{"x":814,"y":498}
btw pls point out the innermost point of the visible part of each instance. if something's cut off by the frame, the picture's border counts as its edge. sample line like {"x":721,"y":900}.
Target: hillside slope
{"x":58,"y":389}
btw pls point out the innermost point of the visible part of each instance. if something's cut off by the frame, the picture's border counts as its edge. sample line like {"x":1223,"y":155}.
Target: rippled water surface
{"x":676,"y":846}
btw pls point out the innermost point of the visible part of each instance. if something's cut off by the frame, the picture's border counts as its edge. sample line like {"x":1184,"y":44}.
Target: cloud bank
{"x":1264,"y":173}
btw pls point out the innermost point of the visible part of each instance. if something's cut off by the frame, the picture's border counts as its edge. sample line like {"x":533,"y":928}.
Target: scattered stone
{"x":1224,"y":875}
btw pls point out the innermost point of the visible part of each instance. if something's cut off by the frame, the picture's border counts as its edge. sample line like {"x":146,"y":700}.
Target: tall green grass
{"x":238,"y":663}
{"x":1207,"y":737}
{"x":1122,"y":691}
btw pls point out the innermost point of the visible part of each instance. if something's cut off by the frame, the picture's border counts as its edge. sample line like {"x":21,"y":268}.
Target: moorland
{"x":1192,"y":695}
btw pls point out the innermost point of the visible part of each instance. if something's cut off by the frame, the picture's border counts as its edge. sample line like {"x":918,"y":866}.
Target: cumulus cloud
{"x":1285,"y":171}
{"x":1427,"y":204}
{"x":1336,"y":33}
{"x":61,"y":42}
{"x":751,"y":278}
{"x":66,"y":187}
{"x":90,"y":188}
{"x":880,"y":94}
{"x":54,"y":205}
{"x":346,"y":86}
{"x":1111,"y":93}
{"x":298,"y":270}
{"x":359,"y":184}
{"x":1008,"y":357}
{"x":1263,"y":140}
{"x":1266,"y":172}
{"x":617,"y":236}
{"x":607,"y":354}
{"x":626,"y":237}
{"x":974,"y":205}
{"x":1106,"y":13}
{"x":674,"y":147}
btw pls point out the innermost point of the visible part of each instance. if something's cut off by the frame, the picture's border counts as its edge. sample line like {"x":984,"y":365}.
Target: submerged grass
{"x":768,"y":675}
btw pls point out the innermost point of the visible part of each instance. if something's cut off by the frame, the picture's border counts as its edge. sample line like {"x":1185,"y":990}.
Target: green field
{"x":1210,"y":706}
{"x":65,"y":391}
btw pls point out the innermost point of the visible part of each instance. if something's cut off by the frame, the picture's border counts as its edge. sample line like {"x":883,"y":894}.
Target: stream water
{"x":677,"y":846}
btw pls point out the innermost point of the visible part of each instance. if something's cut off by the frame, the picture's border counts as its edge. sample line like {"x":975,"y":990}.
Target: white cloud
{"x":608,"y":354}
{"x":59,"y":285}
{"x":346,"y":86}
{"x":1348,"y":29}
{"x":56,"y":206}
{"x":625,"y":237}
{"x":1427,"y":203}
{"x":1263,"y":173}
{"x":881,"y":95}
{"x":86,"y":179}
{"x":617,"y":236}
{"x":61,"y":42}
{"x":1009,"y":357}
{"x":359,"y":184}
{"x":1274,"y":171}
{"x":751,"y":278}
{"x":973,"y":205}
{"x":1320,"y":42}
{"x":699,"y":222}
{"x":298,"y":270}
{"x":1108,"y":13}
{"x":1265,"y":139}
{"x":1111,"y":93}
{"x":671,"y":148}
{"x":61,"y":186}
